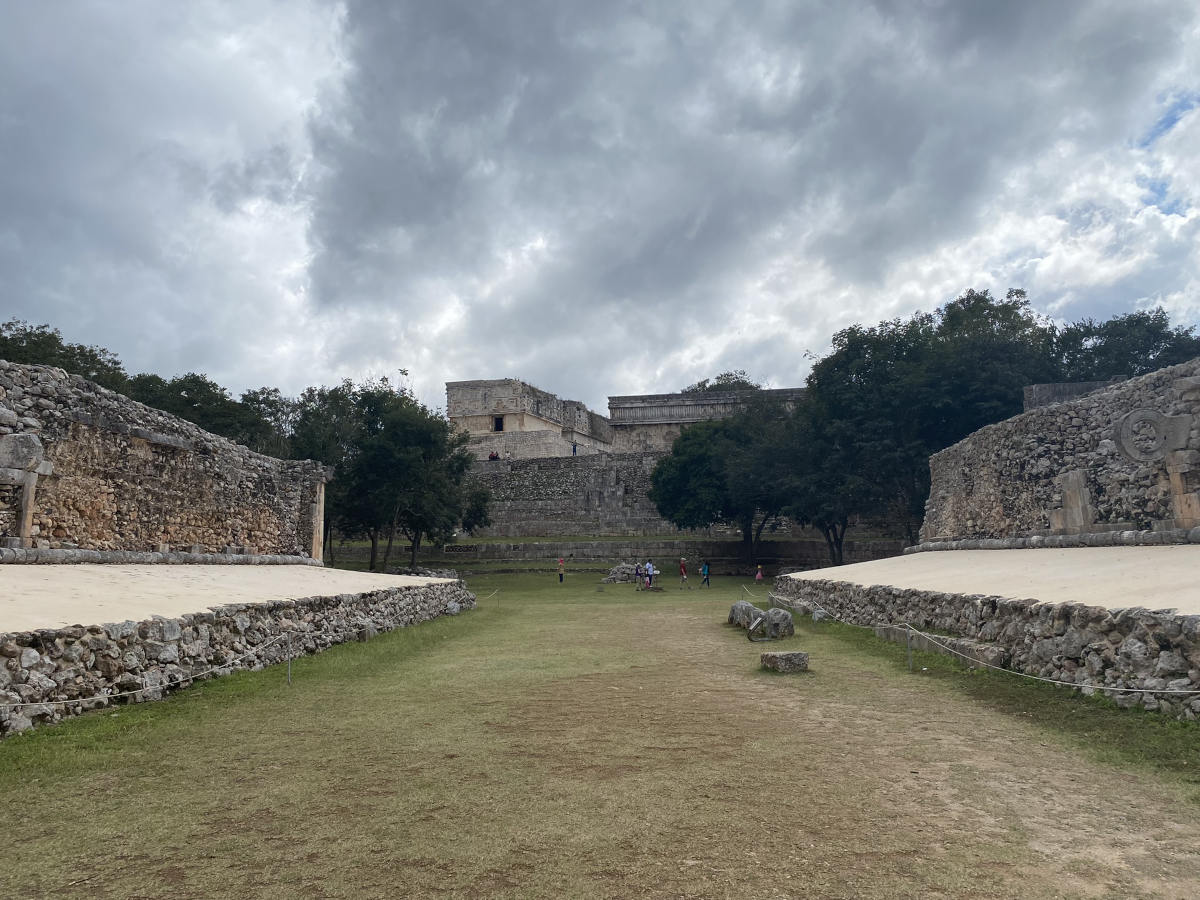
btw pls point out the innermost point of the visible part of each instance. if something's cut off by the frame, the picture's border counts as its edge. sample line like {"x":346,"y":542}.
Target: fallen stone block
{"x":785,"y":661}
{"x":742,"y":613}
{"x":778,"y":623}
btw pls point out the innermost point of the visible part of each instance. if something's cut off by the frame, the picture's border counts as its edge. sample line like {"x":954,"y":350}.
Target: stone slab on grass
{"x":785,"y":661}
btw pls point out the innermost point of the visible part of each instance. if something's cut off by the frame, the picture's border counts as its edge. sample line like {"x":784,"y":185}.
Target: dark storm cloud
{"x":577,"y":176}
{"x":596,"y":197}
{"x":145,"y":151}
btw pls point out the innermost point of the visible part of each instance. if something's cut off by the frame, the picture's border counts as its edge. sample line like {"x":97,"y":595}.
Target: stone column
{"x":318,"y":521}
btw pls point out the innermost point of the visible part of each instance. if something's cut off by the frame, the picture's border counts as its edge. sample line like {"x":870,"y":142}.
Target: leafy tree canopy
{"x":21,"y":342}
{"x":733,"y":380}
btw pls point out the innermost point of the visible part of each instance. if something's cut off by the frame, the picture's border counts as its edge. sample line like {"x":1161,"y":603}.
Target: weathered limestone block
{"x":778,"y":623}
{"x":785,"y":661}
{"x":742,"y":613}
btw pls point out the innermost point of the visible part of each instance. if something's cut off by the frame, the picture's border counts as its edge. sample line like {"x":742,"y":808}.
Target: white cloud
{"x":597,"y":198}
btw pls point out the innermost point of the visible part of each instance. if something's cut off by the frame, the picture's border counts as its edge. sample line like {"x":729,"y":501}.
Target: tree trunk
{"x":767,"y":517}
{"x":374,"y":533}
{"x":835,"y":535}
{"x":416,"y":545}
{"x":328,"y":541}
{"x":747,"y":527}
{"x":387,"y":551}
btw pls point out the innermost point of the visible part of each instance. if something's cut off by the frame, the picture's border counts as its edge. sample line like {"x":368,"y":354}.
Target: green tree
{"x":201,"y":400}
{"x":21,"y":342}
{"x":889,"y":396}
{"x":733,"y":380}
{"x":325,"y":428}
{"x":734,"y":471}
{"x":406,"y":471}
{"x":823,"y":491}
{"x":1123,"y":346}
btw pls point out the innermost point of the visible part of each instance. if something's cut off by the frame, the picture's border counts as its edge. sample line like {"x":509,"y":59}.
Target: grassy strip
{"x":110,"y":737}
{"x":1135,"y":738}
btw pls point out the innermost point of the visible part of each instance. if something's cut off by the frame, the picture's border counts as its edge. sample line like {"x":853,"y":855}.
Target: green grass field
{"x":573,"y":741}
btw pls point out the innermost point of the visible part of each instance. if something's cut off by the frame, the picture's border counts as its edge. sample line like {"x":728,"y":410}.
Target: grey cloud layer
{"x":599,"y":198}
{"x":658,"y":158}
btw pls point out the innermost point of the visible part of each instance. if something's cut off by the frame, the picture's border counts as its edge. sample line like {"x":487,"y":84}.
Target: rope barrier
{"x":976,"y":662}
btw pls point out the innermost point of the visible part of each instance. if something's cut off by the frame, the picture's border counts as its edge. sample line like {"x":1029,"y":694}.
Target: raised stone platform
{"x":77,"y":638}
{"x":34,"y":597}
{"x":1113,"y":577}
{"x":1121,"y":619}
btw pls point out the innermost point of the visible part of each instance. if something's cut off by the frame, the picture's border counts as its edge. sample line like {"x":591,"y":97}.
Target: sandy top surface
{"x":49,"y":596}
{"x":1114,"y":577}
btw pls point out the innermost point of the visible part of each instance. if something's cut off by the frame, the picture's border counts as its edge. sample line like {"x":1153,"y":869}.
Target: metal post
{"x":289,"y":639}
{"x":908,"y":641}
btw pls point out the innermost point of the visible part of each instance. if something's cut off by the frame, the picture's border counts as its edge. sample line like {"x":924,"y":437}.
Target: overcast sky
{"x":596,"y":197}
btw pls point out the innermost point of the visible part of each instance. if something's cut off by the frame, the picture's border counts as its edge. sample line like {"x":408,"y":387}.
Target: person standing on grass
{"x":758,"y":575}
{"x":704,"y":574}
{"x":637,"y":576}
{"x":562,"y":569}
{"x":683,"y":574}
{"x":649,"y":574}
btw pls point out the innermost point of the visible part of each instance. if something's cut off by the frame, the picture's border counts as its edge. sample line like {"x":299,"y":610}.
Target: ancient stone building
{"x":83,"y":467}
{"x":651,"y":422}
{"x":563,"y":469}
{"x":519,"y":421}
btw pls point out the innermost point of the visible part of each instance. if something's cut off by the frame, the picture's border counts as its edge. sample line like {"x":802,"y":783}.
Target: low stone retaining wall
{"x":53,"y":673}
{"x":1087,"y":646}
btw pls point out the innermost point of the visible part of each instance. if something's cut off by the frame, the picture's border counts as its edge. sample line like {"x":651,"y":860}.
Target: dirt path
{"x":575,"y":744}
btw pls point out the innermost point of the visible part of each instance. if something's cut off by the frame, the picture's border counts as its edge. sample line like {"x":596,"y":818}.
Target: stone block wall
{"x":49,"y":674}
{"x":1087,"y":646}
{"x":1124,"y":458}
{"x":593,"y":494}
{"x":84,"y":467}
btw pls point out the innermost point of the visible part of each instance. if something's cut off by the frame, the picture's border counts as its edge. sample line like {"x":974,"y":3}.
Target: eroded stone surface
{"x":785,"y":661}
{"x":121,"y":476}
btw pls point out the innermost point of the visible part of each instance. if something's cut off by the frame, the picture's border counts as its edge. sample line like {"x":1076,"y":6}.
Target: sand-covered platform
{"x":1113,"y":577}
{"x":55,"y":596}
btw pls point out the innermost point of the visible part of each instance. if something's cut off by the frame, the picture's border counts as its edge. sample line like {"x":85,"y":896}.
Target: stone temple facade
{"x":518,"y":421}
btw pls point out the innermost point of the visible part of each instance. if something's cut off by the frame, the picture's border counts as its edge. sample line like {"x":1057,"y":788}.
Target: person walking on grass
{"x":683,"y":574}
{"x":562,"y":569}
{"x":637,"y":576}
{"x":704,"y":574}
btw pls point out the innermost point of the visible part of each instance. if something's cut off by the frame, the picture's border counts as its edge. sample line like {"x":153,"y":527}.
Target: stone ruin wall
{"x":595,"y":494}
{"x":1139,"y":650}
{"x":52,"y":673}
{"x":1122,"y":459}
{"x":84,"y":467}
